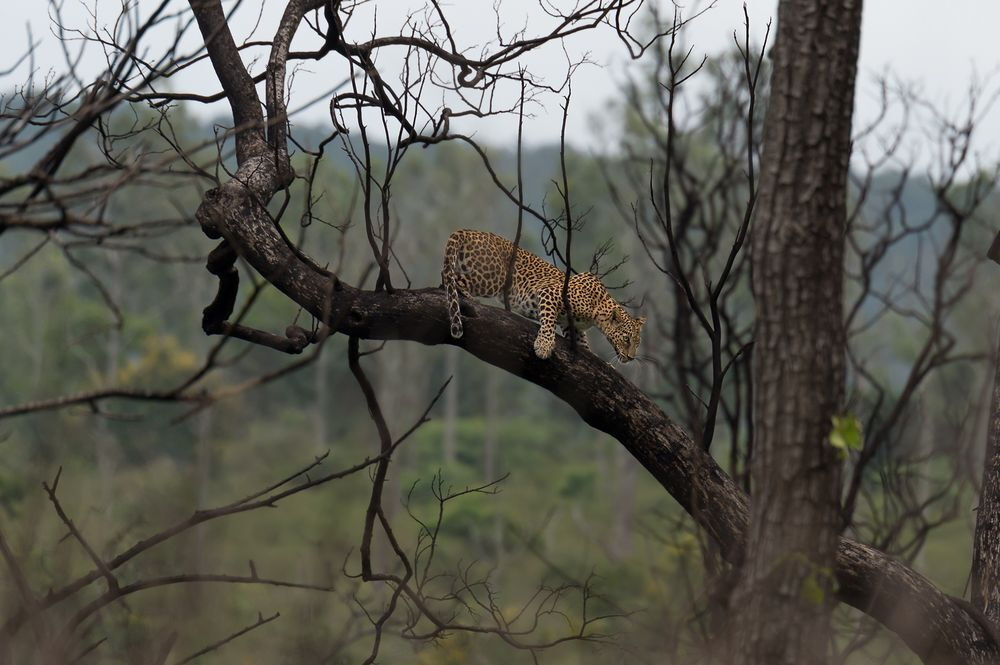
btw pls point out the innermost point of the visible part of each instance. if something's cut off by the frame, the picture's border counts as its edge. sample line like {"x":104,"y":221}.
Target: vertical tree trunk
{"x":785,"y":595}
{"x":986,"y":547}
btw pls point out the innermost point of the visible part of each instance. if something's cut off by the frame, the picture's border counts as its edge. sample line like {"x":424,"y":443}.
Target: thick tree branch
{"x":930,"y":622}
{"x":236,"y":81}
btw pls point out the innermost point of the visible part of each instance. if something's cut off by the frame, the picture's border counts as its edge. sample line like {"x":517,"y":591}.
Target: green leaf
{"x":811,"y":591}
{"x":846,"y":434}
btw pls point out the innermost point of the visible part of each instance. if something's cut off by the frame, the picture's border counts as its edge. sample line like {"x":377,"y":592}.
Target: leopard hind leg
{"x":581,"y":336}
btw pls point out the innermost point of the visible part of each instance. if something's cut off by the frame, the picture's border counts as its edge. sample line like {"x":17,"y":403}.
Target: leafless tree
{"x":442,"y":84}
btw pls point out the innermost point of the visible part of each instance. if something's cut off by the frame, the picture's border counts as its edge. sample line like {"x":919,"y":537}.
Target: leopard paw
{"x":543,"y":347}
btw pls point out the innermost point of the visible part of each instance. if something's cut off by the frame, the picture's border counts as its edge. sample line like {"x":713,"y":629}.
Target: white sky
{"x":939,"y":46}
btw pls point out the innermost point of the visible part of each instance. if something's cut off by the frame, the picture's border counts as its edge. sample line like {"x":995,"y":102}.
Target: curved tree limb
{"x":931,"y":623}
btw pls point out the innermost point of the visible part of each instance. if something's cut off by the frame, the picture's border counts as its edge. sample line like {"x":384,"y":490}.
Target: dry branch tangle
{"x":929,"y":621}
{"x":932,"y":624}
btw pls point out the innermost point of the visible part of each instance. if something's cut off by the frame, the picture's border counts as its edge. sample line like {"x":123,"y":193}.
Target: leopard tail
{"x":449,"y":274}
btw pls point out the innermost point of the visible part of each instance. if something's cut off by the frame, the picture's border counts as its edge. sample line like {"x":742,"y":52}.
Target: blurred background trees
{"x":145,"y":420}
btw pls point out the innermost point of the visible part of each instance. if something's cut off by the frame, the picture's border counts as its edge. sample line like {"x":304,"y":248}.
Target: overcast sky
{"x":940,"y":46}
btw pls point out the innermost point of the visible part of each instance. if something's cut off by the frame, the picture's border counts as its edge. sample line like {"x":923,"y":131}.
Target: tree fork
{"x":931,"y":623}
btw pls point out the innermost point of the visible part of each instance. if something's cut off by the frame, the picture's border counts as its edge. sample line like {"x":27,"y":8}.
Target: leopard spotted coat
{"x":476,"y":263}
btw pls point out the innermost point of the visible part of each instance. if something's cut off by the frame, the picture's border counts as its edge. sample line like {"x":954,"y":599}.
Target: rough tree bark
{"x":931,"y":623}
{"x":783,"y":599}
{"x":986,"y":547}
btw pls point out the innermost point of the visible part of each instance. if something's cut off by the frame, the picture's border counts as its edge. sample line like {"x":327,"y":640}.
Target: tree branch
{"x":929,"y":621}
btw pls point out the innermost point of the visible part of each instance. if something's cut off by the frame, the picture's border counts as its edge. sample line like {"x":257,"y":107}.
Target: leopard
{"x":476,"y":264}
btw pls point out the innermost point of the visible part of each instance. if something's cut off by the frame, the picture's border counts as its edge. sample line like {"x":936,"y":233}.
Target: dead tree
{"x":243,"y":211}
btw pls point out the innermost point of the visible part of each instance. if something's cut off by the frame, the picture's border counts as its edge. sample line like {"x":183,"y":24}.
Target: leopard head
{"x":622,"y":330}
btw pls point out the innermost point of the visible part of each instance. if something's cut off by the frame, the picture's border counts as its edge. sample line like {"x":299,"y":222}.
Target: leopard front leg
{"x":545,"y":341}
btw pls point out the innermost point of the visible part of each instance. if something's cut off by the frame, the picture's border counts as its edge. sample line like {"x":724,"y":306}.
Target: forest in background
{"x":571,"y":515}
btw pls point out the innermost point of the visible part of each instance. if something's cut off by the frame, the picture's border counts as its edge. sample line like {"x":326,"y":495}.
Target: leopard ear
{"x":641,"y":320}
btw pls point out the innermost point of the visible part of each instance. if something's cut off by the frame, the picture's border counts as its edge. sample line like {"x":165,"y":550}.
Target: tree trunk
{"x":986,"y":548}
{"x":932,"y":624}
{"x":786,"y":591}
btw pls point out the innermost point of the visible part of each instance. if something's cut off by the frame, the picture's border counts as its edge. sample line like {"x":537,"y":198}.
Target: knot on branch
{"x":298,"y":336}
{"x":209,"y":214}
